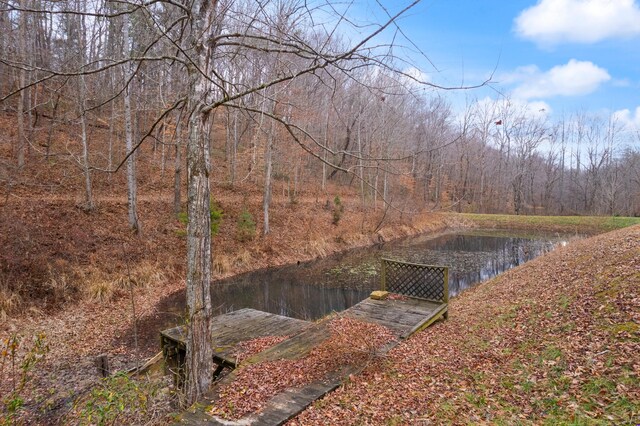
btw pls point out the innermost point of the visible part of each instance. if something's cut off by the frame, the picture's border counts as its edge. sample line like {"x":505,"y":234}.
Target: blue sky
{"x":565,"y":55}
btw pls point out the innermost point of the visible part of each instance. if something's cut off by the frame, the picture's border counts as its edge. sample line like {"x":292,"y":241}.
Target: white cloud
{"x":580,"y":21}
{"x":414,"y":76}
{"x":631,"y":121}
{"x":520,"y":74}
{"x":621,"y":82}
{"x":538,"y":108}
{"x":572,"y":79}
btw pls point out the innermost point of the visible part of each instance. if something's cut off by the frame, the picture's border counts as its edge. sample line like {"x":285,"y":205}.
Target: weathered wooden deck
{"x":228,"y":331}
{"x":403,"y":317}
{"x":426,"y":296}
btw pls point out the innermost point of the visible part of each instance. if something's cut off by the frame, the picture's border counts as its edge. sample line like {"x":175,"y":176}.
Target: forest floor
{"x":554,"y":340}
{"x":80,"y":264}
{"x":68,"y":274}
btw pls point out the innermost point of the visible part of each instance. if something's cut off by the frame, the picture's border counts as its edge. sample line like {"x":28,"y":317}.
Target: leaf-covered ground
{"x":349,"y":342}
{"x":556,"y":341}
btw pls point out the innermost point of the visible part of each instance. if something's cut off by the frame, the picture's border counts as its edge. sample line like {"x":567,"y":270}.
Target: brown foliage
{"x":350,"y":342}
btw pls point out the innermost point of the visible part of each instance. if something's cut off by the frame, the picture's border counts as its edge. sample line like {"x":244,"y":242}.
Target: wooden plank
{"x":285,"y":406}
{"x":295,"y":347}
{"x":427,"y":321}
{"x":417,"y":305}
{"x":398,"y":320}
{"x":403,"y":317}
{"x":228,"y":330}
{"x":394,"y":314}
{"x":391,"y":313}
{"x":242,"y":325}
{"x":398,"y":329}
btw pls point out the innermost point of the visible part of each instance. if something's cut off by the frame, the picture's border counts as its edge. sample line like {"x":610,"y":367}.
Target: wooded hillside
{"x":134,"y":132}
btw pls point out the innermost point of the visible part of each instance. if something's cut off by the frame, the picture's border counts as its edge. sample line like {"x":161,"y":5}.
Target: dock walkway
{"x":402,"y":316}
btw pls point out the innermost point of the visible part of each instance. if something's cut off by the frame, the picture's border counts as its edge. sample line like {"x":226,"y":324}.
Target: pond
{"x":314,"y":289}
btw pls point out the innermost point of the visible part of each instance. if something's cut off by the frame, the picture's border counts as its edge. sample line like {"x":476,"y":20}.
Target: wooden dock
{"x":228,"y":331}
{"x":402,"y":316}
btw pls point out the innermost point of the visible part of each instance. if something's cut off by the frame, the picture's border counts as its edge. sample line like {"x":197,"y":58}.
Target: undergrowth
{"x":18,"y":359}
{"x":246,"y":226}
{"x":121,"y":399}
{"x":216,"y":214}
{"x":338,"y":210}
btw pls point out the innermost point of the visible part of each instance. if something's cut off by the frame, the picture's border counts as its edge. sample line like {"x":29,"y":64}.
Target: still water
{"x":311,"y":290}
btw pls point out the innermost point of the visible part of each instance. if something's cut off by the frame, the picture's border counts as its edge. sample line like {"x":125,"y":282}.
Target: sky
{"x":562,"y":56}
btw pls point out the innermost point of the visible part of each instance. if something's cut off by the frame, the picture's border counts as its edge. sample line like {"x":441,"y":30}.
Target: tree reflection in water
{"x":314,"y":289}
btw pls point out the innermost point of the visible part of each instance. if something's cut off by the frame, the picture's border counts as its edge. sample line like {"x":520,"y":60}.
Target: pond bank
{"x":554,"y":341}
{"x":81,"y":331}
{"x":590,"y":225}
{"x":311,"y":290}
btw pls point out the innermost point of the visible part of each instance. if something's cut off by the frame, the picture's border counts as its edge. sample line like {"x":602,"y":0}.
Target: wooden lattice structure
{"x":416,"y":280}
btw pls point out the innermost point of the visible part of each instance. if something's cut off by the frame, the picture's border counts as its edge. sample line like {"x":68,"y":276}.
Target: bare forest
{"x":190,"y":97}
{"x":288,"y":106}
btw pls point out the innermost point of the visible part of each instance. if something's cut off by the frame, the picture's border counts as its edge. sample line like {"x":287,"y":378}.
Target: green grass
{"x":569,"y":223}
{"x":551,"y":353}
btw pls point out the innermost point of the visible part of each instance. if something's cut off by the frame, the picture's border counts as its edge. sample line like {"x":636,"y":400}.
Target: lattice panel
{"x":423,"y":281}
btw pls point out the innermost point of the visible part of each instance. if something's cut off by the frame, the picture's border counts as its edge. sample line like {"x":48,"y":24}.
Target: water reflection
{"x":314,"y":289}
{"x":473,"y":258}
{"x":285,"y":293}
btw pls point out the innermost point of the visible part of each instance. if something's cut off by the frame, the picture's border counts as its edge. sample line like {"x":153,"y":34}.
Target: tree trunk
{"x":268,"y":167}
{"x":361,"y":165}
{"x":177,"y":182}
{"x":132,"y":191}
{"x":4,"y":29}
{"x":89,"y":205}
{"x":82,"y":93}
{"x":21,"y":145}
{"x":325,"y":150}
{"x":112,"y":123}
{"x":232,"y":137}
{"x":199,"y":349}
{"x":199,"y":362}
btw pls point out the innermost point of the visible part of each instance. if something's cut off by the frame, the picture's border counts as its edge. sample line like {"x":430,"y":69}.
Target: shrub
{"x":338,"y":209}
{"x":10,"y":300}
{"x":221,"y":264}
{"x":102,"y":290}
{"x":215,"y":215}
{"x":17,"y":360}
{"x":243,"y":258}
{"x":246,"y":228}
{"x":119,"y":399}
{"x":143,"y":275}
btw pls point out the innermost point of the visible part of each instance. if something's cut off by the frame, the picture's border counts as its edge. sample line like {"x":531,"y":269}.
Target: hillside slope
{"x":67,"y":274}
{"x":555,"y":341}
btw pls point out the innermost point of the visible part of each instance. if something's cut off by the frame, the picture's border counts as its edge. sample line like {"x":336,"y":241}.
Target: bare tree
{"x":132,"y":191}
{"x":80,"y":30}
{"x":24,"y":94}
